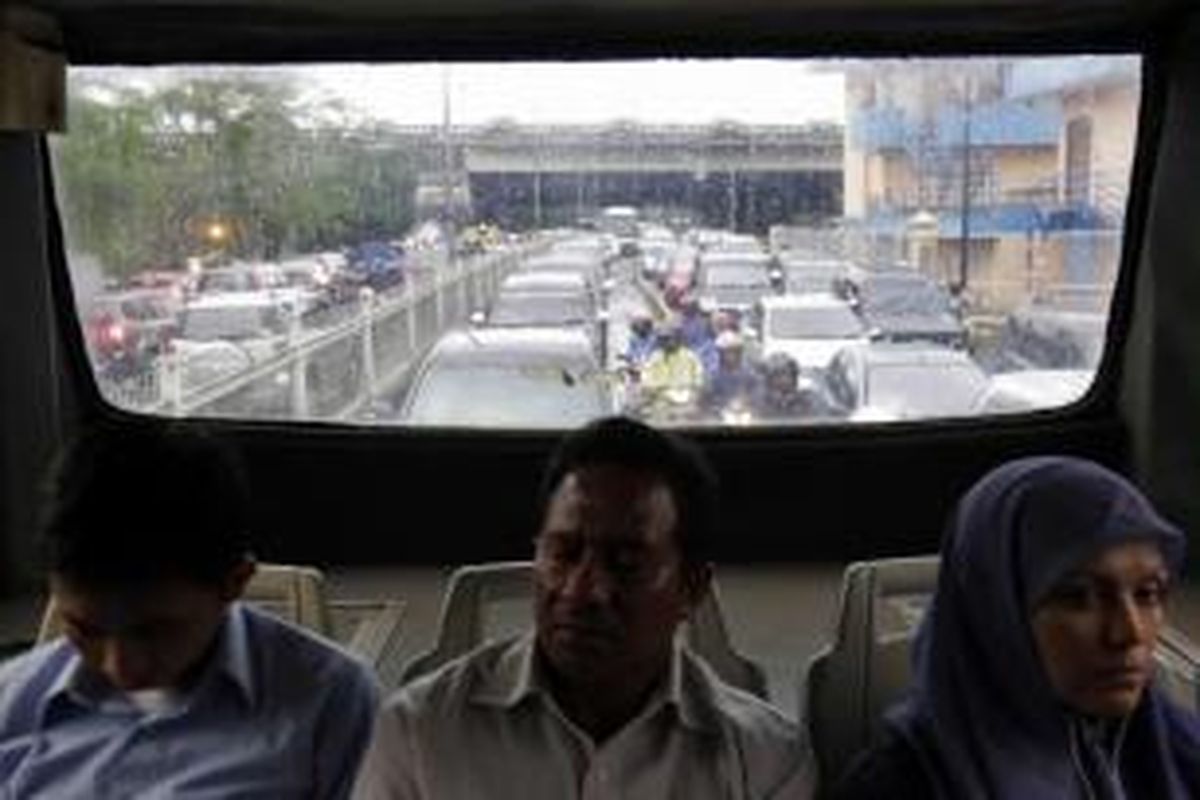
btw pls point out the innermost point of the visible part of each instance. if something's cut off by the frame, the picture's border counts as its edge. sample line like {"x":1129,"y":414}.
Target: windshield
{"x":800,"y":281}
{"x":538,"y":309}
{"x":814,"y":323}
{"x":949,"y":198}
{"x":234,"y":322}
{"x":735,"y":276}
{"x":904,"y":297}
{"x":503,"y":397}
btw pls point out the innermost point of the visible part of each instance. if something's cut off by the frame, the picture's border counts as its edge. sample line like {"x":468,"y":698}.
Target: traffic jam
{"x":672,"y":324}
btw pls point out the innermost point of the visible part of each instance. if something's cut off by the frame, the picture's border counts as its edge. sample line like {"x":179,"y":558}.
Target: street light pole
{"x":965,"y":223}
{"x":731,"y":200}
{"x":447,"y":163}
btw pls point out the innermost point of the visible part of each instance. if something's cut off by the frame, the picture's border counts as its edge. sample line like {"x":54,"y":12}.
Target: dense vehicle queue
{"x":713,"y":327}
{"x":677,"y":326}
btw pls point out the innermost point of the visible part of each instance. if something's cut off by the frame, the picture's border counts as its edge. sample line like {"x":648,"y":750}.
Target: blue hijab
{"x":982,"y":716}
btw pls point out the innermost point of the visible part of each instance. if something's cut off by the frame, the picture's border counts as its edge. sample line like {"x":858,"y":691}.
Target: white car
{"x":1033,"y":389}
{"x":889,"y":381}
{"x":224,"y":333}
{"x":810,"y":328}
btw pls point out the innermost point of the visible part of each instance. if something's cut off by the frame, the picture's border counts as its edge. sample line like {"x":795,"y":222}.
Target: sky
{"x":750,"y":91}
{"x":759,"y":92}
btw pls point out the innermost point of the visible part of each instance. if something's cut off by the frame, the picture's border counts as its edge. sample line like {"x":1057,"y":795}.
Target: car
{"x":810,"y":328}
{"x":1033,"y":389}
{"x":227,"y":332}
{"x":584,"y":262}
{"x":236,"y":316}
{"x":1040,"y":337}
{"x":599,"y":248}
{"x":731,"y":243}
{"x":125,"y":330}
{"x":508,"y":378}
{"x":377,"y":264}
{"x":318,"y":282}
{"x":240,"y":278}
{"x":802,"y":274}
{"x":566,"y":282}
{"x":886,"y":381}
{"x":655,"y":257}
{"x":540,"y":309}
{"x":735,"y":281}
{"x":903,"y":305}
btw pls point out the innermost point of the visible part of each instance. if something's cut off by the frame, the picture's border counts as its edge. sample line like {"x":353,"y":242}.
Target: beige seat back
{"x":299,"y":595}
{"x":473,"y":589}
{"x":850,"y":683}
{"x":296,"y":594}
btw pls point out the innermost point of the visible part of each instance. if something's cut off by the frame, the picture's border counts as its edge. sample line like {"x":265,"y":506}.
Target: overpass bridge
{"x":724,"y":174}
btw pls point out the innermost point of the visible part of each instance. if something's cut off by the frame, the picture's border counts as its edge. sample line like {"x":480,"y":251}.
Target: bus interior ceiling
{"x":384,"y":510}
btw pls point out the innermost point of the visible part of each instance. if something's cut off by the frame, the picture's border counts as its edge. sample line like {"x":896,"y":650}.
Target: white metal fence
{"x":335,"y":367}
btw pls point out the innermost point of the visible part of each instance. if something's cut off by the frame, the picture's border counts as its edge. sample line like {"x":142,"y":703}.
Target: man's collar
{"x":70,"y":682}
{"x":691,"y":690}
{"x":233,"y":657}
{"x":518,"y":674}
{"x":512,"y":679}
{"x":231,"y":660}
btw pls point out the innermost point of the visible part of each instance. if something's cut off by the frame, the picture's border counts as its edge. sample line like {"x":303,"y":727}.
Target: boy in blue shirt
{"x":164,"y":684}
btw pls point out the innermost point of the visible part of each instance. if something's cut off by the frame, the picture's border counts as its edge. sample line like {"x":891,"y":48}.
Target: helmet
{"x":725,"y":321}
{"x":779,"y":365}
{"x":668,"y":330}
{"x":641,"y":323}
{"x":729,"y":340}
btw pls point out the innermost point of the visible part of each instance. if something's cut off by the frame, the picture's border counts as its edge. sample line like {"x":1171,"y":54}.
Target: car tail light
{"x":114,"y":333}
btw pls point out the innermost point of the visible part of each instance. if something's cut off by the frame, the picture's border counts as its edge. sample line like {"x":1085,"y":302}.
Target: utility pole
{"x":965,"y":223}
{"x":448,"y":227}
{"x":731,"y":203}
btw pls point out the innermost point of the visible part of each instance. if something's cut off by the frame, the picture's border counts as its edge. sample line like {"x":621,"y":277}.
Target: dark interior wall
{"x":386,"y":497}
{"x":31,"y":400}
{"x":1161,"y":397}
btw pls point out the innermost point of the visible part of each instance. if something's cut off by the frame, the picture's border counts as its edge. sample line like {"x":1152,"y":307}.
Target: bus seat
{"x":298,"y":595}
{"x":473,"y":589}
{"x":850,"y":683}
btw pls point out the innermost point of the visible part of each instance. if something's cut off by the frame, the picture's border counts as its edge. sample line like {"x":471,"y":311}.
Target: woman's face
{"x":1096,"y":629}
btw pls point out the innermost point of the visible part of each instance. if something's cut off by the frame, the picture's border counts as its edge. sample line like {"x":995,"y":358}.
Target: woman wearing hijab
{"x":1033,"y":665}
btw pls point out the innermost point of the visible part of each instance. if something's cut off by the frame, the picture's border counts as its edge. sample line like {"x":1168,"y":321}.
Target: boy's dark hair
{"x":138,"y":503}
{"x":677,"y":462}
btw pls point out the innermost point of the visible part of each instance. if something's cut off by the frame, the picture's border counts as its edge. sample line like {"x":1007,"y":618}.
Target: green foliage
{"x":145,"y":173}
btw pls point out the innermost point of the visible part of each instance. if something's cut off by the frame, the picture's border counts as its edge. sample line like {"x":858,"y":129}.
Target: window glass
{"x":814,"y":323}
{"x":501,"y":396}
{"x":299,"y":242}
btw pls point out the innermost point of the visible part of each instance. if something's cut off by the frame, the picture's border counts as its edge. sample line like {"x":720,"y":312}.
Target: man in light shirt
{"x":164,"y":685}
{"x":599,"y":701}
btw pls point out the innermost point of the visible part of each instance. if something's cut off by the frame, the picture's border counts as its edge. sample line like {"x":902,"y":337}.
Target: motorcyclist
{"x":734,"y":382}
{"x":672,"y":376}
{"x":643,"y":340}
{"x":695,"y":324}
{"x":786,"y":394}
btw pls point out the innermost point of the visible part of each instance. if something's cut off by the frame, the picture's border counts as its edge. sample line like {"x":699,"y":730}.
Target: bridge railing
{"x":339,"y":370}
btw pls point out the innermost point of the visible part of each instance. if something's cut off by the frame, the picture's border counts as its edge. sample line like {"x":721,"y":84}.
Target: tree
{"x":146,"y":172}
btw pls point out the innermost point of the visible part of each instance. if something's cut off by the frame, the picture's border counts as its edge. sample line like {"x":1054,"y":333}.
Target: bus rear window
{"x":336,"y":228}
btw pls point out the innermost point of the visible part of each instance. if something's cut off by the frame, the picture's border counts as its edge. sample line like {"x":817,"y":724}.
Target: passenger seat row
{"x":844,"y":690}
